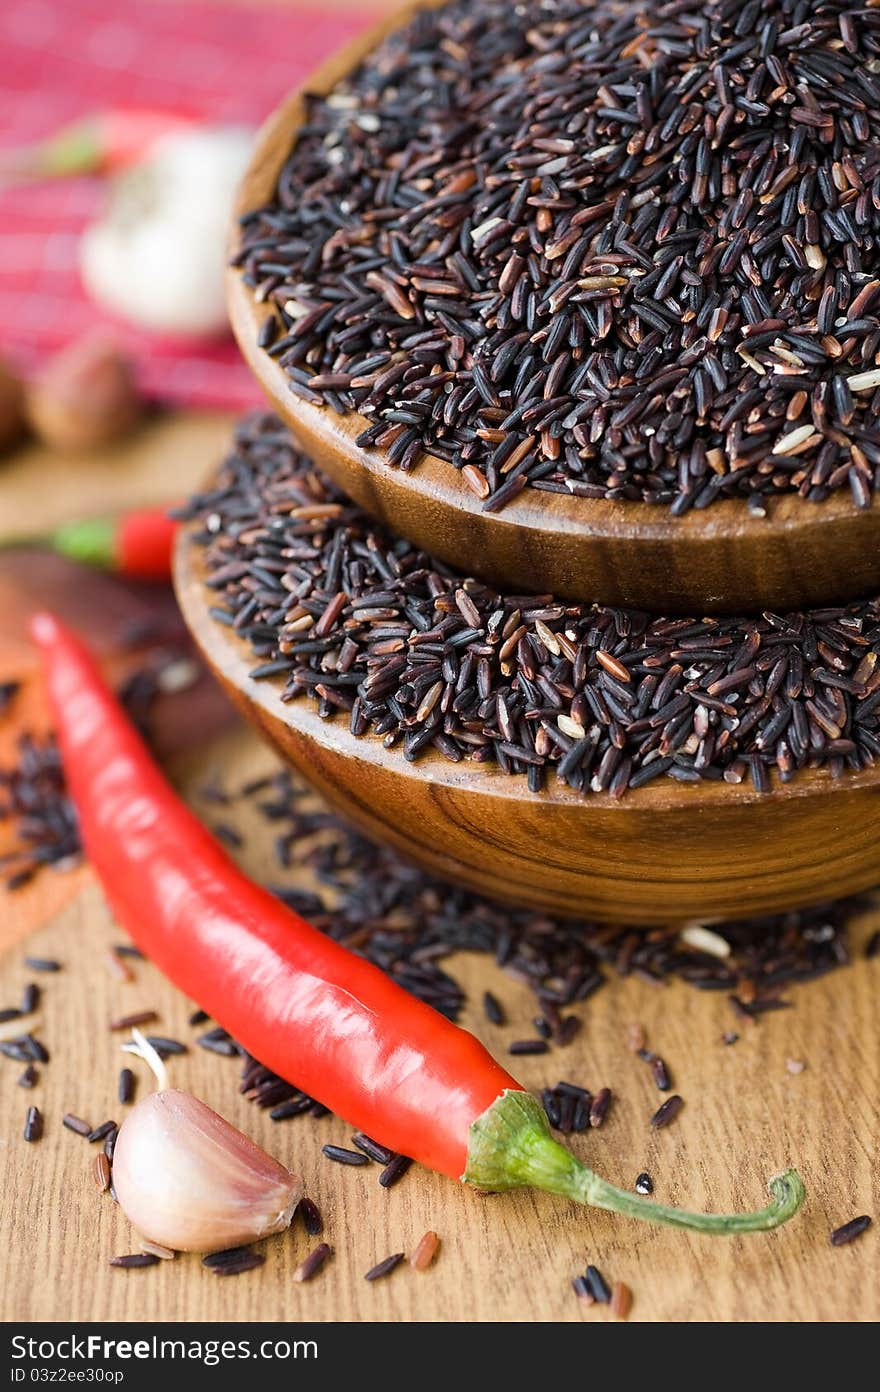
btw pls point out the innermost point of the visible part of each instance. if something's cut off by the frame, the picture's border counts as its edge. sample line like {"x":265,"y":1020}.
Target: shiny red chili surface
{"x":321,"y":1017}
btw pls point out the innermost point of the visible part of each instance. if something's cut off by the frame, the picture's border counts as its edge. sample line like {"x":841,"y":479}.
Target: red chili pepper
{"x":144,"y":544}
{"x":314,"y":1012}
{"x":102,"y":143}
{"x":137,"y":544}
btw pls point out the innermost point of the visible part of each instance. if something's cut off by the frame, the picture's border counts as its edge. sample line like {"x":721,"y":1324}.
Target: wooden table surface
{"x":503,"y":1258}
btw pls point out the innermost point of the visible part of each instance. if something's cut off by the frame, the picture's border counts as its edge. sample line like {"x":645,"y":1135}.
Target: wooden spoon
{"x":667,"y":852}
{"x":722,"y":560}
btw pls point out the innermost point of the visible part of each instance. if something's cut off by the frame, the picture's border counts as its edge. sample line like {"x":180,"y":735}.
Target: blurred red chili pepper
{"x":102,"y":143}
{"x":138,"y":544}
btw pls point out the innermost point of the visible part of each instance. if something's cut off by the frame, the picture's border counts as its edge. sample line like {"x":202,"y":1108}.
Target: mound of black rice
{"x":382,"y":636}
{"x":617,"y":250}
{"x":34,"y":801}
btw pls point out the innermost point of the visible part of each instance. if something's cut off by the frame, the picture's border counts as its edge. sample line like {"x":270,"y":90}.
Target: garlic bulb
{"x":189,"y":1180}
{"x":158,"y":257}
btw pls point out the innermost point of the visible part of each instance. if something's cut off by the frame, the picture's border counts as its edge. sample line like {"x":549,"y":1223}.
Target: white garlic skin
{"x":158,"y":256}
{"x":189,"y":1180}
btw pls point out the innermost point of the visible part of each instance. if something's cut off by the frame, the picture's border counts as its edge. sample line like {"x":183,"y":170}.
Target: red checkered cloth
{"x":63,"y":59}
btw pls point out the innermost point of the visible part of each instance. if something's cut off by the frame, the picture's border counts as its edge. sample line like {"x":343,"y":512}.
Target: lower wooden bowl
{"x":666,"y":853}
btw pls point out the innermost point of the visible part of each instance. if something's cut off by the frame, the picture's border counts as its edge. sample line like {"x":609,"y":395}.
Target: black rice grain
{"x":661,"y":1074}
{"x":218,"y":1041}
{"x":493,"y":1009}
{"x":139,"y":1017}
{"x":310,"y":1215}
{"x":33,"y":1126}
{"x":135,"y":1259}
{"x":166,"y":1048}
{"x":343,"y":1156}
{"x":36,"y":1049}
{"x":394,"y":1170}
{"x":848,"y":1232}
{"x":528,"y":1046}
{"x":294,"y":1106}
{"x":30,"y":999}
{"x":667,"y":1111}
{"x":599,"y":1107}
{"x":381,"y":1154}
{"x":8,"y":692}
{"x":245,"y":1263}
{"x":126,"y":1086}
{"x":384,"y":1268}
{"x":100,"y":1133}
{"x":566,"y":1031}
{"x":76,"y":1124}
{"x":599,"y":1288}
{"x":313,"y":1263}
{"x":231,"y":1257}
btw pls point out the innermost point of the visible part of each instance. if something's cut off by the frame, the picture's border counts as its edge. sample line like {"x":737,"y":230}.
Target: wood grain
{"x":159,"y":463}
{"x":666,"y":852}
{"x":503,"y":1258}
{"x":721,"y":560}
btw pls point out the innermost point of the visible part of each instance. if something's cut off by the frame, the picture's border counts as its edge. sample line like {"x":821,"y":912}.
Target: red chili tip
{"x":44,"y":628}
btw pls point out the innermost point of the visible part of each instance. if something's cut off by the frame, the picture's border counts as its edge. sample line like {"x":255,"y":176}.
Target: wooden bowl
{"x":667,"y":852}
{"x":722,"y":560}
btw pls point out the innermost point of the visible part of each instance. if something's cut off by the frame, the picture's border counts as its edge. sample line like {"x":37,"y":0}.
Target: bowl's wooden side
{"x":722,"y":560}
{"x":668,"y":852}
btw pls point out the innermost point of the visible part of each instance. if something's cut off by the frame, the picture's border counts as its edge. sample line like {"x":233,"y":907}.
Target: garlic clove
{"x":189,"y":1180}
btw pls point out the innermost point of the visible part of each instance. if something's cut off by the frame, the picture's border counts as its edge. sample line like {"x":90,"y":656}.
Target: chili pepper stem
{"x":90,"y":541}
{"x":511,"y":1146}
{"x":74,"y":150}
{"x":135,"y":544}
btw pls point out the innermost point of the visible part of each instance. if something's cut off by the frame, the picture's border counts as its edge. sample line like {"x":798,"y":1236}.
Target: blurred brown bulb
{"x":12,"y":421}
{"x":84,"y":397}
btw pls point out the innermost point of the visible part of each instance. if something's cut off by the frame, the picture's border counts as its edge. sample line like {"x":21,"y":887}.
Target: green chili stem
{"x":91,"y":541}
{"x":511,"y":1146}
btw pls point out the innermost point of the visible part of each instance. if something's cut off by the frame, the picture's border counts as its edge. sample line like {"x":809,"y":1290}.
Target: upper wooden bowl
{"x":666,"y":853}
{"x":722,"y":560}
